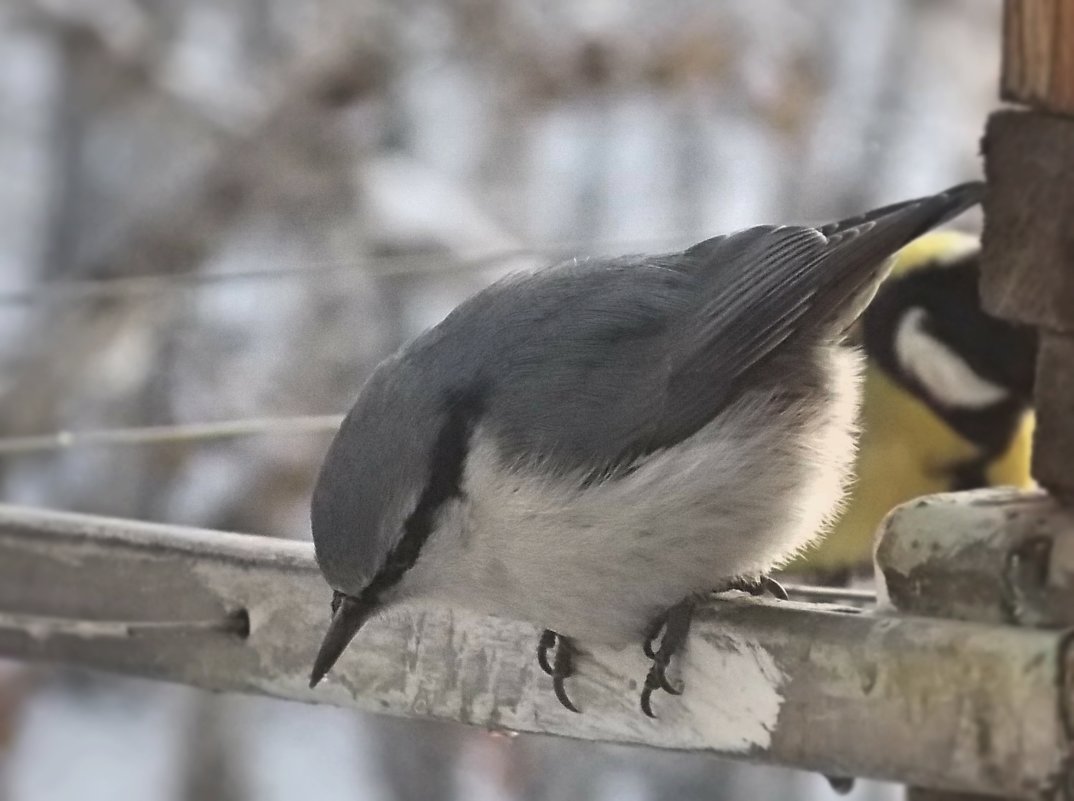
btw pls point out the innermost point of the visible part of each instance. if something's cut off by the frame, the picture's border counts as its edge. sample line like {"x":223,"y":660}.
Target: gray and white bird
{"x":595,"y":446}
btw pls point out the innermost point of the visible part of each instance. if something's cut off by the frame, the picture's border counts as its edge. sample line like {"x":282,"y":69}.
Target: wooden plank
{"x":1027,"y":269}
{"x":1038,"y":54}
{"x":989,"y":556}
{"x":949,"y":705}
{"x":1053,"y":439}
{"x":986,"y":556}
{"x":921,"y":794}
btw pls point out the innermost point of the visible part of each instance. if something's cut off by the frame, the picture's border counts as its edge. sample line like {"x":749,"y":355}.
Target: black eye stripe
{"x":443,"y":483}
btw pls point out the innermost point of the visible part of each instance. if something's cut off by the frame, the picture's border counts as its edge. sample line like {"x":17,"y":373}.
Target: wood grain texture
{"x":1053,"y":439}
{"x":1027,"y":270}
{"x":1038,"y":54}
{"x":921,"y":794}
{"x":949,"y":705}
{"x":989,"y":556}
{"x":995,"y":555}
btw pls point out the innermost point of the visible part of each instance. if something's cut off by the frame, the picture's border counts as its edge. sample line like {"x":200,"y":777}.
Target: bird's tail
{"x":872,"y":239}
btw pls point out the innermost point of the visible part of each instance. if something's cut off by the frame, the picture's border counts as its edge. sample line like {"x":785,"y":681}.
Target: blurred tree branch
{"x":297,"y":154}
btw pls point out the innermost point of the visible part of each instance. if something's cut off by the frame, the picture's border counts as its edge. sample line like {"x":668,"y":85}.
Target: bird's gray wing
{"x":605,"y":362}
{"x":769,"y":285}
{"x":610,"y":361}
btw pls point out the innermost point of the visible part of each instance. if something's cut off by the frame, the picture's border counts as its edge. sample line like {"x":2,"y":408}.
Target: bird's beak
{"x":350,"y":615}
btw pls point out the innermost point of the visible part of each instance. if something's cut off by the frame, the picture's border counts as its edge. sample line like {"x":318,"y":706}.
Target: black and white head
{"x":928,"y":330}
{"x":395,"y":463}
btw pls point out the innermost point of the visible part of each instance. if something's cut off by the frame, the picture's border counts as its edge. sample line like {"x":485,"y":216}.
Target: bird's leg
{"x":652,"y":634}
{"x":676,"y":626}
{"x":757,"y":586}
{"x":560,"y":667}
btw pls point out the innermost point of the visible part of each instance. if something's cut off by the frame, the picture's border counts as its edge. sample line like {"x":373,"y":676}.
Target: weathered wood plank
{"x":1038,"y":54}
{"x":990,"y":556}
{"x":1027,"y":268}
{"x":921,"y":794}
{"x":1053,"y":439}
{"x":941,"y":704}
{"x":996,"y":557}
{"x":987,"y":556}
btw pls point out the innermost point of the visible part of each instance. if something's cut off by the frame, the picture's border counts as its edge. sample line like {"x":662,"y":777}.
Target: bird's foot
{"x":561,"y":666}
{"x":761,"y":585}
{"x":675,"y":625}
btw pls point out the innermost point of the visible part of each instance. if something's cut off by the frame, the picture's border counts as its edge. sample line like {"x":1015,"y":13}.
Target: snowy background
{"x":218,"y":209}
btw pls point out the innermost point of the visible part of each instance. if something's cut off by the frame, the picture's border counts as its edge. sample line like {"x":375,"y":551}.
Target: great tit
{"x":946,"y":399}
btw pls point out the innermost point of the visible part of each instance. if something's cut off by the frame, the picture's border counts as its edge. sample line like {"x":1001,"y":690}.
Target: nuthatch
{"x":595,"y":446}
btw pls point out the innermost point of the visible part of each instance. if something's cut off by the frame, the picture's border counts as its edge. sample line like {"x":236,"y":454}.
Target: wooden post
{"x":1028,"y":243}
{"x":1010,"y":567}
{"x":1001,"y":557}
{"x":1038,"y":54}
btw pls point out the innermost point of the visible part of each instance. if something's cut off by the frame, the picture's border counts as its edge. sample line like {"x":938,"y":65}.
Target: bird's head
{"x":395,"y":462}
{"x":928,"y":330}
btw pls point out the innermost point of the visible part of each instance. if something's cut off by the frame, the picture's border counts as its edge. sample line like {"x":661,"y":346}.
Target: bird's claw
{"x":547,"y":643}
{"x":676,"y":626}
{"x":646,"y":700}
{"x":561,"y":667}
{"x":657,"y":680}
{"x":774,"y":588}
{"x":648,"y":645}
{"x":561,"y":694}
{"x":758,"y":586}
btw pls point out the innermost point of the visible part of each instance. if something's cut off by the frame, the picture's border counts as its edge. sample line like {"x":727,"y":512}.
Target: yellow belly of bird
{"x":905,"y":451}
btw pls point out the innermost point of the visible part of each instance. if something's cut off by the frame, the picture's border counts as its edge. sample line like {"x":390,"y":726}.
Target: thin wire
{"x":382,"y":266}
{"x":148,"y":284}
{"x":817,"y":593}
{"x":40,"y":627}
{"x":183,"y":432}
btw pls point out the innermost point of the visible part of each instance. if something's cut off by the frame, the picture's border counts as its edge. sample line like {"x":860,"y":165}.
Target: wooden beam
{"x":994,"y":556}
{"x":1028,"y":243}
{"x":1053,"y":439}
{"x":942,"y":704}
{"x":1027,"y":266}
{"x":921,"y":794}
{"x":1038,"y":54}
{"x":989,"y":556}
{"x":976,"y":557}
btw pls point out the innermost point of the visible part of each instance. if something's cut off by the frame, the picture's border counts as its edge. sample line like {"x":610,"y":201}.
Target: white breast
{"x":599,"y":563}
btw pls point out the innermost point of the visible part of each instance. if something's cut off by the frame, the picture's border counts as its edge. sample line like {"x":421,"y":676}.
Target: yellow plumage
{"x":906,"y":449}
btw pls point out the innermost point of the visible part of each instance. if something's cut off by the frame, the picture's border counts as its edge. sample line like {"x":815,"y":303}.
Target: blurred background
{"x":215,"y":210}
